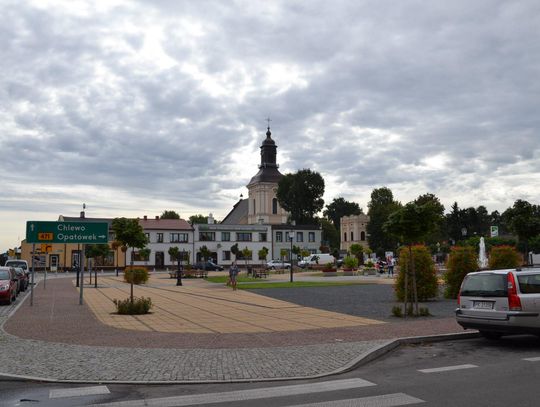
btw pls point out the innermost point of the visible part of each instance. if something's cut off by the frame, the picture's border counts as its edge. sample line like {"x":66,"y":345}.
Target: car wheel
{"x":491,"y":335}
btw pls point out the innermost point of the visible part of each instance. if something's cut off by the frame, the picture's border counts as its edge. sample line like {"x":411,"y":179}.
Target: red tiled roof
{"x":169,"y":224}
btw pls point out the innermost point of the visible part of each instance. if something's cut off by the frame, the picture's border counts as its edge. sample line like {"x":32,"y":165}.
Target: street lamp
{"x":291,"y":234}
{"x":180,"y":268}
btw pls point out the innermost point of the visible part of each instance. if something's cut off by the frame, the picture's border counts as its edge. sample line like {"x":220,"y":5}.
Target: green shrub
{"x":135,"y":275}
{"x":139,"y":306}
{"x":350,"y":262}
{"x":426,"y":278}
{"x":397,"y":311}
{"x":424,"y":312}
{"x":462,"y":260}
{"x":504,"y":257}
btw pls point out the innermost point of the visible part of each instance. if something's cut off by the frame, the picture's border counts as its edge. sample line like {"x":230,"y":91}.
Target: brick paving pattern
{"x":60,"y":340}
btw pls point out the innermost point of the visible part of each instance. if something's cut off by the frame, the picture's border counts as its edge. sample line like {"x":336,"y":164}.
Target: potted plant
{"x":369,"y":268}
{"x":329,"y":270}
{"x":349,"y":265}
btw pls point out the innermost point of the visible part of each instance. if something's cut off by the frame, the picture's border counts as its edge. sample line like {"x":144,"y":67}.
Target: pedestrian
{"x":233,"y":272}
{"x":391,"y":264}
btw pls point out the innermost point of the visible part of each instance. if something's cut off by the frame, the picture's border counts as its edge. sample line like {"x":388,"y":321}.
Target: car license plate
{"x":483,"y":304}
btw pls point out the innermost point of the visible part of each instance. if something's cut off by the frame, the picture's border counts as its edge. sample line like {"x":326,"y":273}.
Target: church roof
{"x":238,"y":214}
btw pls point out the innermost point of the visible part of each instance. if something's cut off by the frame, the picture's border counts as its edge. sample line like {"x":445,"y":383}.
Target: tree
{"x":357,"y":250}
{"x":145,"y":254}
{"x":247,"y":255}
{"x":380,"y":207}
{"x":301,"y":195}
{"x":131,"y":235}
{"x":199,"y":219}
{"x":436,"y":234}
{"x":173,"y":252}
{"x":235,"y":250}
{"x":411,"y":224}
{"x":340,"y":208}
{"x":330,"y":235}
{"x":169,"y":215}
{"x":524,"y":221}
{"x":263,"y":253}
{"x":205,"y":254}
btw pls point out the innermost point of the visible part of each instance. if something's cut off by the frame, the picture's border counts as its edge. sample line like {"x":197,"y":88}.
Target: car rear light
{"x":514,"y":303}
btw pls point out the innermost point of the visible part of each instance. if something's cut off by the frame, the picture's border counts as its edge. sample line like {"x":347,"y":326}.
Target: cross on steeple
{"x":268,"y":120}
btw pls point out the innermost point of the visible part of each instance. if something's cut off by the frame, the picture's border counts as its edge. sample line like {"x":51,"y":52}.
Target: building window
{"x":179,"y":237}
{"x":225,"y":255}
{"x":362,"y":236}
{"x":279,"y":236}
{"x":147,"y":237}
{"x":207,"y":236}
{"x":274,"y":206}
{"x":262,"y":237}
{"x":344,"y":236}
{"x":254,"y":207}
{"x":311,"y":236}
{"x":299,"y":236}
{"x":225,"y":236}
{"x":160,"y":237}
{"x":243,"y":237}
{"x":138,"y":257}
{"x":288,"y":236}
{"x":352,"y":237}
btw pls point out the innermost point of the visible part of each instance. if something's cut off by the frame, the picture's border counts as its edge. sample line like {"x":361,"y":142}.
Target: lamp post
{"x":180,"y":268}
{"x":291,"y":234}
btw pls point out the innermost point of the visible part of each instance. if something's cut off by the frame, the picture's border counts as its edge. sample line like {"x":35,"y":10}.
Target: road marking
{"x":446,"y":368}
{"x":385,"y":400}
{"x":79,"y":391}
{"x":243,"y":395}
{"x":532,"y":359}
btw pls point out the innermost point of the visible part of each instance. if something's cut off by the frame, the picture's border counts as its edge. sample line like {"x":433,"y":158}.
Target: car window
{"x":17,"y":264}
{"x":485,"y":285}
{"x":529,"y":284}
{"x":4,"y":275}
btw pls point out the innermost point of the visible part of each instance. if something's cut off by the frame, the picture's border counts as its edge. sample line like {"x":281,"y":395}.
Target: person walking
{"x":391,"y":264}
{"x":233,"y":272}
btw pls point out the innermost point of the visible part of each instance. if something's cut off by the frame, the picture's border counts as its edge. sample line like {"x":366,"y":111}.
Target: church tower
{"x":263,"y":206}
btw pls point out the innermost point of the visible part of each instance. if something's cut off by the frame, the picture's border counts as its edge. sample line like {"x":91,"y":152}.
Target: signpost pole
{"x":33,"y":271}
{"x":45,"y":275}
{"x":82,"y":276}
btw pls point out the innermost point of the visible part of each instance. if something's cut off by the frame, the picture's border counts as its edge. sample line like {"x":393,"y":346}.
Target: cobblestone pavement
{"x":159,"y":357}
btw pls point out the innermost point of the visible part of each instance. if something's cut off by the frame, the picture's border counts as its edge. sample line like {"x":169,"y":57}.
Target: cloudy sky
{"x":135,"y":107}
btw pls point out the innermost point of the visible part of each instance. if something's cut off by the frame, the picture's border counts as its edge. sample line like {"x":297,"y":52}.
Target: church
{"x":258,"y":220}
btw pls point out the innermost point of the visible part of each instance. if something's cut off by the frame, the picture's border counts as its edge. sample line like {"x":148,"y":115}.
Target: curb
{"x":361,"y":360}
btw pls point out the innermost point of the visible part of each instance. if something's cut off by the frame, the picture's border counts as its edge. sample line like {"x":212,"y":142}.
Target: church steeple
{"x":268,"y":151}
{"x":268,"y":168}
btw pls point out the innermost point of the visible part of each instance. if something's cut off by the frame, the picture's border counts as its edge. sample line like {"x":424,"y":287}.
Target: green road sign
{"x":67,"y":232}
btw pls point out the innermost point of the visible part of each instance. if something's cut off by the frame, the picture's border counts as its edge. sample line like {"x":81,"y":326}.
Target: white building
{"x":163,"y":234}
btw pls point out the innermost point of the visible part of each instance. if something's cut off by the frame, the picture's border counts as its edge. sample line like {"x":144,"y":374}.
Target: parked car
{"x":23,"y":278}
{"x":277,"y":264}
{"x":8,"y":284}
{"x":320,"y":258}
{"x":18,"y":263}
{"x":500,"y":302}
{"x":209,"y":265}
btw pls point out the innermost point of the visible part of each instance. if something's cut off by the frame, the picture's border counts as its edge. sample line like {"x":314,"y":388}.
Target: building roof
{"x":164,"y":224}
{"x":238,"y":214}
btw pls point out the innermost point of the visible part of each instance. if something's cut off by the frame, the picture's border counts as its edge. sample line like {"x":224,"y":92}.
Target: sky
{"x":136,"y":107}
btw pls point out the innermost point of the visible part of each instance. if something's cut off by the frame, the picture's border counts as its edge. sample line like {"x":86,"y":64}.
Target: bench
{"x":260,"y":273}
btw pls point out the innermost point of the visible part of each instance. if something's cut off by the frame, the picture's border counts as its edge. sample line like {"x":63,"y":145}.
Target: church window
{"x":274,"y":206}
{"x":254,"y":207}
{"x":363,"y":236}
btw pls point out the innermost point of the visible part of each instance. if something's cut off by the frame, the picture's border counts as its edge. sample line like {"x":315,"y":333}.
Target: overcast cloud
{"x":135,"y":107}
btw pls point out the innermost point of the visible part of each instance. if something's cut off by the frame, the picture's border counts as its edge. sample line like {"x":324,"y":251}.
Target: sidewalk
{"x":198,"y":332}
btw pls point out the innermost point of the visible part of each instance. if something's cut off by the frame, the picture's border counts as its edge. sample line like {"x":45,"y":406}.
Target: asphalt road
{"x":365,"y":300}
{"x":474,"y":372}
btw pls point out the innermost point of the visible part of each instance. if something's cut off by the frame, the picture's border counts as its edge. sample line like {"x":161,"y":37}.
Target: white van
{"x":18,"y":263}
{"x":319,"y":258}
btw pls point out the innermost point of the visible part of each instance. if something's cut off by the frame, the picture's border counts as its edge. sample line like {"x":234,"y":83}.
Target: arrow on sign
{"x":32,"y":227}
{"x":102,"y":236}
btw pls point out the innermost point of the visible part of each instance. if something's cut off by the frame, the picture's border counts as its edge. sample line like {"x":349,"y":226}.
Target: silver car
{"x":500,"y":302}
{"x":277,"y":264}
